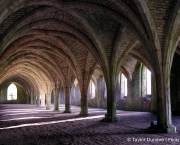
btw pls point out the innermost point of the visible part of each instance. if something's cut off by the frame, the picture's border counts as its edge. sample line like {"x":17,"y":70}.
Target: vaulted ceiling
{"x":42,"y":41}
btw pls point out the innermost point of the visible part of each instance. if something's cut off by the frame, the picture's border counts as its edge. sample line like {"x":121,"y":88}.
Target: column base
{"x":162,"y":129}
{"x":84,"y":114}
{"x":56,"y":110}
{"x":67,"y":111}
{"x":48,"y":108}
{"x":110,"y":119}
{"x":171,"y":128}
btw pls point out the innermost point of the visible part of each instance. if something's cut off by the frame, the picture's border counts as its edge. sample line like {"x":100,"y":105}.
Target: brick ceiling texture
{"x":41,"y":41}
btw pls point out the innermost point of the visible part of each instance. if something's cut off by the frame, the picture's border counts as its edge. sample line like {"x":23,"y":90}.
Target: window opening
{"x":92,"y":89}
{"x":105,"y":91}
{"x":12,"y":92}
{"x":148,"y":81}
{"x":123,"y":86}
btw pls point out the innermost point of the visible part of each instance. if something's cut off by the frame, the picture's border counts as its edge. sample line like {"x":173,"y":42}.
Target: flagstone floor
{"x":31,"y":125}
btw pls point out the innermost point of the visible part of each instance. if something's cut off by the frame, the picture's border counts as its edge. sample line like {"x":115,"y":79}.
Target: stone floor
{"x":30,"y":125}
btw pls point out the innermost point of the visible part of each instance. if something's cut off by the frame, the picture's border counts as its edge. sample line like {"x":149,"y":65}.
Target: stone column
{"x":84,"y":102}
{"x":0,"y":96}
{"x":111,"y":100}
{"x":84,"y":106}
{"x":48,"y":100}
{"x":179,"y":86}
{"x":88,"y":93}
{"x":43,"y":100}
{"x":99,"y":91}
{"x":28,"y":98}
{"x":153,"y":95}
{"x":164,"y":117}
{"x":38,"y":100}
{"x":31,"y":97}
{"x":61,"y":99}
{"x":67,"y":90}
{"x":56,"y":99}
{"x":78,"y":95}
{"x":34,"y":99}
{"x":72,"y":94}
{"x":118,"y":89}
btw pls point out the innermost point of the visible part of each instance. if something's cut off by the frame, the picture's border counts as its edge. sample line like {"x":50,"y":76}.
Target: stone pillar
{"x":4,"y":95}
{"x":77,"y":95}
{"x":28,"y":98}
{"x":38,"y":100}
{"x":99,"y":91}
{"x":48,"y":100}
{"x":84,"y":106}
{"x":135,"y":94}
{"x":61,"y":99}
{"x":0,"y":96}
{"x":43,"y":100}
{"x":179,"y":93}
{"x":72,"y":94}
{"x":31,"y":101}
{"x":67,"y":100}
{"x":31,"y":95}
{"x":153,"y":95}
{"x":118,"y":88}
{"x":56,"y":99}
{"x":164,"y":117}
{"x":111,"y":100}
{"x":84,"y":103}
{"x":34,"y":99}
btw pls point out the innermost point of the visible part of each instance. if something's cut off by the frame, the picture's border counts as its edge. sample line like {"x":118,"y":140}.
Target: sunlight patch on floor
{"x":24,"y":118}
{"x":52,"y":122}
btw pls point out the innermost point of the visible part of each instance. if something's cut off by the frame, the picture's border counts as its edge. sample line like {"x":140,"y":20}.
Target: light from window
{"x":123,"y":85}
{"x":148,"y":74}
{"x":92,"y":89}
{"x":105,"y":91}
{"x":75,"y":82}
{"x":12,"y":92}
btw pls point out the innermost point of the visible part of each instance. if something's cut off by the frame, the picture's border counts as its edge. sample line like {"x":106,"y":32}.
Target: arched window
{"x":12,"y":92}
{"x":148,"y":81}
{"x":123,"y":86}
{"x":92,"y":90}
{"x":75,"y":82}
{"x":105,"y":92}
